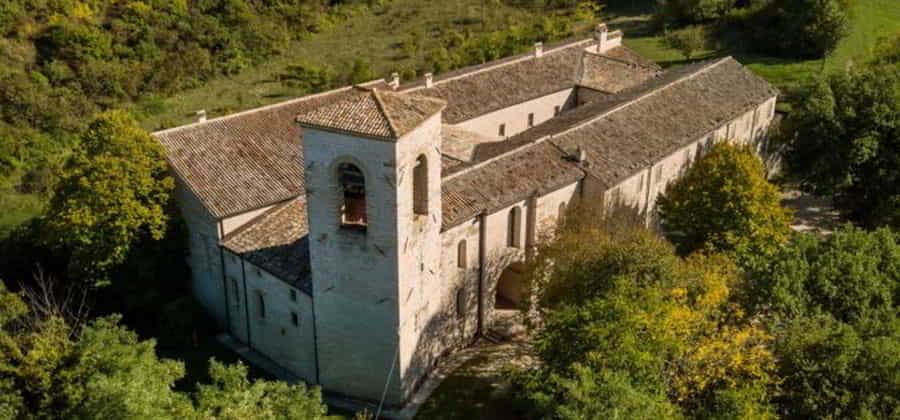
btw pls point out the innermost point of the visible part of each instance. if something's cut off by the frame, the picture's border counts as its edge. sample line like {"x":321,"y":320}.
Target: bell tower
{"x":373,"y":183}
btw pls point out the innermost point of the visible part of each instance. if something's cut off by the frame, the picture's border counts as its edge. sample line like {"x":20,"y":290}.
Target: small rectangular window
{"x":460,"y":303}
{"x":262,"y":304}
{"x":556,"y":110}
{"x":295,"y":319}
{"x":293,"y":295}
{"x":237,"y":292}
{"x":502,"y":130}
{"x":530,"y":120}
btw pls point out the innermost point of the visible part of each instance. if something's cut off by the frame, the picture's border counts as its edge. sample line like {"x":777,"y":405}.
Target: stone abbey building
{"x":355,"y":236}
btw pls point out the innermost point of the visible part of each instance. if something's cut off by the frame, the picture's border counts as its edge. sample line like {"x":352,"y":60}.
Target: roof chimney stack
{"x":201,"y":115}
{"x":600,"y":35}
{"x":538,"y":49}
{"x":395,"y":80}
{"x":429,"y":80}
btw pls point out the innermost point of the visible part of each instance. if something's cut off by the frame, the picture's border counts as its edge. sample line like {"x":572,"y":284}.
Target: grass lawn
{"x":870,"y":20}
{"x":373,"y":36}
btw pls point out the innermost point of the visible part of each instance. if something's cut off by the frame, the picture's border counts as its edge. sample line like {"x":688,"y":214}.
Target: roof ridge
{"x":381,"y":109}
{"x":619,"y":60}
{"x":591,"y":120}
{"x":501,"y":63}
{"x":266,"y":107}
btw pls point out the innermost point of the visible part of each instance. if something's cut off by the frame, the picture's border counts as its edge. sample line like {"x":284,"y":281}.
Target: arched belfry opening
{"x":420,"y":186}
{"x":353,"y":189}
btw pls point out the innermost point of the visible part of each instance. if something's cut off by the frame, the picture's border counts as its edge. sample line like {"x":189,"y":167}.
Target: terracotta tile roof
{"x":534,"y":170}
{"x":650,"y":123}
{"x":627,"y":133}
{"x":475,"y":91}
{"x":246,"y":160}
{"x":611,"y":75}
{"x":459,"y":144}
{"x":374,"y":113}
{"x":277,"y":242}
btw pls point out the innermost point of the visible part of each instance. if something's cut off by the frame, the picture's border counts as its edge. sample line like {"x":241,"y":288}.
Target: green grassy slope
{"x":870,"y":20}
{"x":374,"y":37}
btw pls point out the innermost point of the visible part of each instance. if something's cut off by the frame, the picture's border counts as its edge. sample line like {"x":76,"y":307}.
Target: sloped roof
{"x":534,"y":170}
{"x":475,"y":91}
{"x":247,"y":160}
{"x":277,"y":242}
{"x":621,"y":136}
{"x":611,"y":75}
{"x":374,"y":113}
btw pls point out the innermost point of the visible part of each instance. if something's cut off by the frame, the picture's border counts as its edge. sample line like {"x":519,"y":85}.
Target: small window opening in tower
{"x":420,"y":186}
{"x":353,"y":186}
{"x":502,"y":131}
{"x":531,"y":120}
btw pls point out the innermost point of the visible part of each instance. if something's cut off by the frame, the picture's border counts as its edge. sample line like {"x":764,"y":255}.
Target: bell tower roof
{"x":384,"y":115}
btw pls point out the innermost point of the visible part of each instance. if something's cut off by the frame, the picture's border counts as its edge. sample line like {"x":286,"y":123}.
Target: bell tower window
{"x":420,"y":186}
{"x":353,"y":206}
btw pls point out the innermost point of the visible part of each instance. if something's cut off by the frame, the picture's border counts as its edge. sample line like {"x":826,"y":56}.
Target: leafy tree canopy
{"x":724,"y":202}
{"x":642,"y":324}
{"x":104,"y":371}
{"x":115,"y":189}
{"x":843,"y":139}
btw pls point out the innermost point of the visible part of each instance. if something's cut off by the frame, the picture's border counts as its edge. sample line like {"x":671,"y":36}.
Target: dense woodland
{"x":726,"y":315}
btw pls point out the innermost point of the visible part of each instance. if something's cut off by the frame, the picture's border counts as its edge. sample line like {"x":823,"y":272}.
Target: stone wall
{"x":516,"y":117}
{"x":271,"y":327}
{"x":204,"y":258}
{"x":641,"y":190}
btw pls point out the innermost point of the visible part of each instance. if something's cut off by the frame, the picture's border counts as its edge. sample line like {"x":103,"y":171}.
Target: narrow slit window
{"x":420,"y":186}
{"x":295,"y":320}
{"x":530,"y":120}
{"x":237,"y":292}
{"x":561,"y":216}
{"x":502,"y":131}
{"x":262,"y":304}
{"x":460,"y":302}
{"x":353,"y":187}
{"x":293,"y":295}
{"x":513,"y":237}
{"x":461,"y":260}
{"x":556,"y":110}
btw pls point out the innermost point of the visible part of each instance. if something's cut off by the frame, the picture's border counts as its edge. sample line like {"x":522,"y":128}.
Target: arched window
{"x":420,"y":186}
{"x":513,"y":237}
{"x":461,"y":259}
{"x":353,"y":206}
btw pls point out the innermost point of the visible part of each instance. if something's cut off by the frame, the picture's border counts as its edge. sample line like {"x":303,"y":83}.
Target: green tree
{"x":692,"y":11}
{"x":843,"y":140}
{"x":832,"y":304}
{"x":724,"y":202}
{"x":115,"y":190}
{"x":642,"y":334}
{"x":232,"y":396}
{"x":687,"y":40}
{"x":104,"y":371}
{"x":800,"y":28}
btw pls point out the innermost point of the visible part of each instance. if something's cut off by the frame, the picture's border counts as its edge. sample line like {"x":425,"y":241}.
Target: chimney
{"x":201,"y":115}
{"x":600,"y":35}
{"x":538,"y":49}
{"x":429,"y":80}
{"x":395,"y":80}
